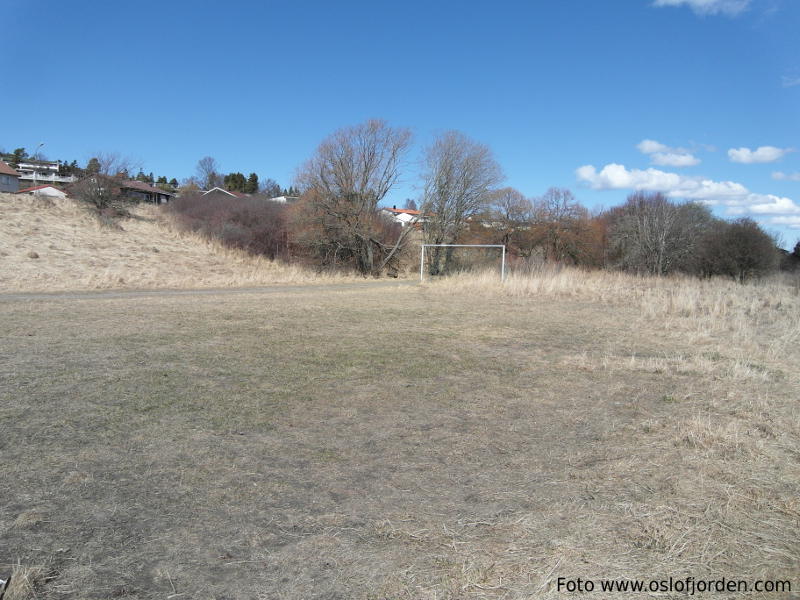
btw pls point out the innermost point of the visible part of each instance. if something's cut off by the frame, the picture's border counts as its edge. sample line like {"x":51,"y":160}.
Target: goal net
{"x":446,"y":259}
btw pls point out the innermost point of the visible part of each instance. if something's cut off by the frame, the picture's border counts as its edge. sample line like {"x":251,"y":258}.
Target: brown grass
{"x":77,"y":251}
{"x":453,"y":440}
{"x":25,"y":581}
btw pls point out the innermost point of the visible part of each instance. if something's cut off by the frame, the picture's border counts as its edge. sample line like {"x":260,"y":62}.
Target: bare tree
{"x":459,"y":177}
{"x":342,"y":184}
{"x":510,"y":213}
{"x":114,"y":164}
{"x":740,"y":250}
{"x":97,"y":189}
{"x":270,"y":188}
{"x":652,"y":234}
{"x":208,"y":172}
{"x":559,"y":224}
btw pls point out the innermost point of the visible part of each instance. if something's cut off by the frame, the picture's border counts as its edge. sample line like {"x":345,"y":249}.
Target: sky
{"x":699,"y":99}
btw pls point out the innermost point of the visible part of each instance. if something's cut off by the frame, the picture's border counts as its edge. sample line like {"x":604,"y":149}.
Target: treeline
{"x":648,"y":234}
{"x":337,"y":223}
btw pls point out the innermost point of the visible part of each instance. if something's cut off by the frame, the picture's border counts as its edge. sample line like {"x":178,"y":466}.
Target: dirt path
{"x":113,"y":294}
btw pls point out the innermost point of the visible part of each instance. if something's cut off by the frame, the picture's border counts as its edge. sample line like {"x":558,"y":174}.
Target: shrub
{"x":254,"y":224}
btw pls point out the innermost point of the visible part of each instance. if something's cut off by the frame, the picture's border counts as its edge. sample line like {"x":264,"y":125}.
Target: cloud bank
{"x":737,"y":199}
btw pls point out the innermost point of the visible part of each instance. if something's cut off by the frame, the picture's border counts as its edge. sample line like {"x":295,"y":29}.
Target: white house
{"x":40,"y":172}
{"x":404,"y":216}
{"x":44,"y":190}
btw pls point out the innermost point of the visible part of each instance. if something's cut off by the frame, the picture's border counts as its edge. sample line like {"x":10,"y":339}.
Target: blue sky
{"x":697,"y":98}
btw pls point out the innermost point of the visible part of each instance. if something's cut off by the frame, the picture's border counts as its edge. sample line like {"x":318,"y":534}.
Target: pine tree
{"x":173,"y":182}
{"x":235,"y":182}
{"x":251,"y":186}
{"x":93,"y":166}
{"x":19,"y":155}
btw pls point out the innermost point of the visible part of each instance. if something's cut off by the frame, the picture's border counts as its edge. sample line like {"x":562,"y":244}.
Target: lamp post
{"x":34,"y":166}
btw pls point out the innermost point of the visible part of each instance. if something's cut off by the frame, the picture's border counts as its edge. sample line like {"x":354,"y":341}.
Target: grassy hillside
{"x":59,"y":245}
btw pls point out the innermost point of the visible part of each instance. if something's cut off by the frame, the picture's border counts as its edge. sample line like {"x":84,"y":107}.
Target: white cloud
{"x":767,"y":204}
{"x":733,"y":196}
{"x":617,"y":177}
{"x":781,"y":176}
{"x":664,"y":156}
{"x":651,"y":146}
{"x":787,"y":81}
{"x":763,"y":154}
{"x":709,"y":7}
{"x":791,"y":222}
{"x":674,"y":159}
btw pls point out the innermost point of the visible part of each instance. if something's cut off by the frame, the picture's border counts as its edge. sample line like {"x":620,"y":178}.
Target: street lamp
{"x":34,"y":166}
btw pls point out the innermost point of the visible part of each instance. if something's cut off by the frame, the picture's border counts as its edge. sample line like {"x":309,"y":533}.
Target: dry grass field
{"x":447,"y":441}
{"x":56,"y":245}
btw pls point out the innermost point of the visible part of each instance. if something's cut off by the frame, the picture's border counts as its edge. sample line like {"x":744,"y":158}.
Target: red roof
{"x":38,"y":187}
{"x":406,"y":211}
{"x":7,"y":170}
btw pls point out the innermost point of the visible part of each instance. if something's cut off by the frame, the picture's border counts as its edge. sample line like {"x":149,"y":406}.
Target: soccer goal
{"x":500,"y":246}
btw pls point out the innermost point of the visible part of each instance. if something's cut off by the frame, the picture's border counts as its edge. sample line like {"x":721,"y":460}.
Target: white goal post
{"x":422,"y":256}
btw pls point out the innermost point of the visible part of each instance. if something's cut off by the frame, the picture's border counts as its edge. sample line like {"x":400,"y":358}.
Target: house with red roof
{"x":44,"y":190}
{"x":9,"y":178}
{"x":404,"y":216}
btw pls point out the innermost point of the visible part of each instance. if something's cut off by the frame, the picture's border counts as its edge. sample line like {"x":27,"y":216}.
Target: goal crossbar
{"x":422,"y":256}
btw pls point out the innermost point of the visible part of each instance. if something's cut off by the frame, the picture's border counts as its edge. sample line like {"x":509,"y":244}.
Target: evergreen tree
{"x":140,"y":176}
{"x":19,"y":155}
{"x":93,"y":166}
{"x":150,"y":179}
{"x":235,"y":182}
{"x":251,"y":186}
{"x":162,"y":179}
{"x":173,"y":182}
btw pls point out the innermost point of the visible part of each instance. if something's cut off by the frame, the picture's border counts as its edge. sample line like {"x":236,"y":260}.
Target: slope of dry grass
{"x":447,"y":441}
{"x":75,"y":251}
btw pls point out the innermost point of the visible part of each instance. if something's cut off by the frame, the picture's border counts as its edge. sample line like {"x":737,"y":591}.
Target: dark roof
{"x":7,"y":170}
{"x":141,"y":186}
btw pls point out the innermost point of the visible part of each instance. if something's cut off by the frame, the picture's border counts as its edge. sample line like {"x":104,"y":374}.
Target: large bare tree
{"x":114,"y":164}
{"x":459,"y":177}
{"x":652,"y":234}
{"x":510,"y":214}
{"x":342,"y":184}
{"x":559,"y":226}
{"x":208,"y":172}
